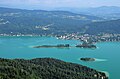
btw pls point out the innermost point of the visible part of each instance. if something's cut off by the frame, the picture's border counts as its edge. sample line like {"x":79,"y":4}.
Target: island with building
{"x":87,"y":59}
{"x":86,"y":44}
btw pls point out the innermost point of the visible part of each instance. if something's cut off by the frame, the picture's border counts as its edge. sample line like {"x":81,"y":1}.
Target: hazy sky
{"x":45,"y":4}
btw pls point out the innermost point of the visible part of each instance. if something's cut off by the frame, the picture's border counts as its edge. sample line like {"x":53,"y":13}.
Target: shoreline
{"x":55,"y":36}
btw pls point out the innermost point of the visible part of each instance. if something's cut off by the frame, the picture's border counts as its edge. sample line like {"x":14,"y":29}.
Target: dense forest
{"x":112,"y":26}
{"x":45,"y":68}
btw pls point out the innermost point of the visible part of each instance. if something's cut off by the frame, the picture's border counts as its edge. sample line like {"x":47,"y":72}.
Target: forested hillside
{"x":40,"y":22}
{"x":17,"y":21}
{"x":112,"y":26}
{"x":45,"y":68}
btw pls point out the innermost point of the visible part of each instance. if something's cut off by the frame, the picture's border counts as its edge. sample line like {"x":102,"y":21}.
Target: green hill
{"x":45,"y":68}
{"x":112,"y":26}
{"x":17,"y":21}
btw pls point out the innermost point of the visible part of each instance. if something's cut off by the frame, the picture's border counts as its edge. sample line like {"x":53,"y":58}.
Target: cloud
{"x":39,"y":3}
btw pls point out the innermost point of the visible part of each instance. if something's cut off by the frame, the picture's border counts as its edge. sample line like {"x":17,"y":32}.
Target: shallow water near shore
{"x":107,"y":54}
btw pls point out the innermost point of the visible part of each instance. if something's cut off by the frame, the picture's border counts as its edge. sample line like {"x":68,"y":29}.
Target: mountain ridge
{"x":17,"y":21}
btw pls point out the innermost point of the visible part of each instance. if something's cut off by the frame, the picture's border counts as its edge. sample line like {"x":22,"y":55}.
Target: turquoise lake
{"x":107,"y":53}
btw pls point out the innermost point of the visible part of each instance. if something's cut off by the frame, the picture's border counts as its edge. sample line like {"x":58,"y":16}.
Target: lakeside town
{"x":104,"y":37}
{"x":88,"y":41}
{"x":92,"y":38}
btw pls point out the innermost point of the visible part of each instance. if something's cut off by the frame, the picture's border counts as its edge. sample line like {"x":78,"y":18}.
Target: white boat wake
{"x":100,"y":59}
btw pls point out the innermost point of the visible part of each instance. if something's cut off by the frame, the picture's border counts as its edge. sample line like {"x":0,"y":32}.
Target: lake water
{"x":107,"y":53}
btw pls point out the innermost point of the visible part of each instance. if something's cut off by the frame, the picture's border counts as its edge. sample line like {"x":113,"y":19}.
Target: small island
{"x":53,"y":46}
{"x":87,"y":59}
{"x":83,"y":45}
{"x":86,"y":44}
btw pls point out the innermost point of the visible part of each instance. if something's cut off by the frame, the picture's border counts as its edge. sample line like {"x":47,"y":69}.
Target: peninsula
{"x":46,"y":68}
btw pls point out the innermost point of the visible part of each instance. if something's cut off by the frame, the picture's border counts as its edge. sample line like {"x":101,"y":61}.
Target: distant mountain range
{"x":106,"y":12}
{"x":40,"y":22}
{"x":17,"y":21}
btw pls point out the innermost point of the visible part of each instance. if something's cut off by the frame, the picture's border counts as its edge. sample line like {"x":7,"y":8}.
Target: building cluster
{"x":77,"y":36}
{"x":91,"y":38}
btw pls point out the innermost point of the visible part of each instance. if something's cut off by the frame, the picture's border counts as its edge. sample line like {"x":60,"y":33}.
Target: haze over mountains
{"x":38,"y":22}
{"x":107,"y":12}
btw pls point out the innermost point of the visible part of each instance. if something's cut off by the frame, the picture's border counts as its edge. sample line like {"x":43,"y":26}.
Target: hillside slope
{"x":45,"y":68}
{"x":112,"y":26}
{"x":17,"y":21}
